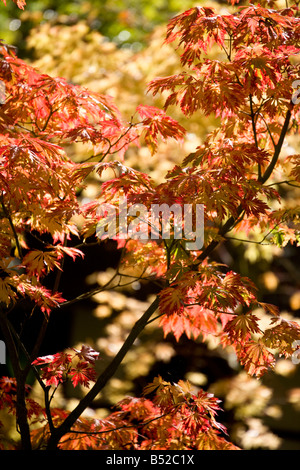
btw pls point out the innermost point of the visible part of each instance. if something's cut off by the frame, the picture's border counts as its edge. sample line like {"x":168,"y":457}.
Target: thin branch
{"x":124,"y":426}
{"x":252,"y":114}
{"x":254,"y":130}
{"x":36,"y":374}
{"x":8,"y":216}
{"x":111,"y":145}
{"x":155,"y":318}
{"x":268,"y":130}
{"x":21,"y":409}
{"x":59,"y":271}
{"x":288,"y":182}
{"x":52,"y":111}
{"x":247,"y":241}
{"x":24,"y":350}
{"x":88,"y":294}
{"x":233,"y":220}
{"x":278,"y":146}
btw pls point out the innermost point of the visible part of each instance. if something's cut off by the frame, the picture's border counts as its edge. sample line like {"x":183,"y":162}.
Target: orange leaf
{"x":255,"y":357}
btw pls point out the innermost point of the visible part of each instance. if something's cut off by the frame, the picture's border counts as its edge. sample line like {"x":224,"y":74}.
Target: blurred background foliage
{"x":115,"y":47}
{"x":125,"y":22}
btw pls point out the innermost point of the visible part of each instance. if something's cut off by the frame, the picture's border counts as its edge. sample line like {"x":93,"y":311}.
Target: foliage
{"x":249,"y":87}
{"x":124,"y":22}
{"x":174,"y":418}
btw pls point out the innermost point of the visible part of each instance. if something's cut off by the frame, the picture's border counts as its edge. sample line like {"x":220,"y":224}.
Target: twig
{"x":254,"y":130}
{"x":8,"y":216}
{"x":278,"y":146}
{"x":288,"y":182}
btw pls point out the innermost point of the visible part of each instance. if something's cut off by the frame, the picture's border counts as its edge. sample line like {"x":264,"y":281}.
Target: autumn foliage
{"x":236,"y":173}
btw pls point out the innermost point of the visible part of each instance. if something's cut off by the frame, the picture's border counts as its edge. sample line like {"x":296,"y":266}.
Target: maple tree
{"x":250,"y":88}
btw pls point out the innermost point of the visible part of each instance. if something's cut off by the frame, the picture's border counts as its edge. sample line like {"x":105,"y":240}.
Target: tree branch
{"x":254,"y":130}
{"x":103,"y":378}
{"x":8,"y":216}
{"x":278,"y":146}
{"x":21,"y":409}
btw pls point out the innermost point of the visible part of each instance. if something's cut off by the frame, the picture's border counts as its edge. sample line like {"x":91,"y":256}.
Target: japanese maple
{"x":250,"y":88}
